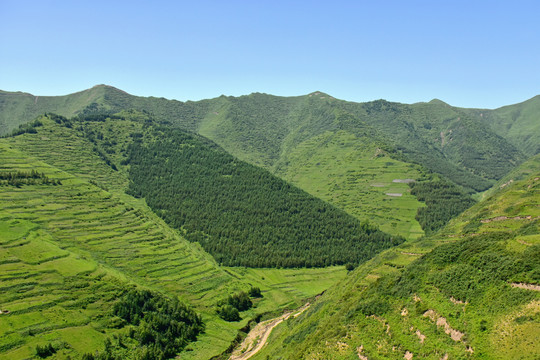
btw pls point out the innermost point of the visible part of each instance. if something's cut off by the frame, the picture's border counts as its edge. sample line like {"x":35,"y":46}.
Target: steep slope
{"x":470,"y":291}
{"x":518,"y":123}
{"x":355,"y":174}
{"x":241,"y":214}
{"x":18,"y":108}
{"x":444,"y":139}
{"x":274,"y":132}
{"x":69,"y":250}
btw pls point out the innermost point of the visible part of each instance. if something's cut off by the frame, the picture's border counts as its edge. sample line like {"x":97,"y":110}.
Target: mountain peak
{"x":105,"y":87}
{"x":437,"y":101}
{"x":320,"y":95}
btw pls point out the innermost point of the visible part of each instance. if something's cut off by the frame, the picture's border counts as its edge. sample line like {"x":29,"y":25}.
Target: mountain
{"x":470,"y":291}
{"x":112,"y":201}
{"x":74,"y":247}
{"x":363,"y":147}
{"x":519,"y":124}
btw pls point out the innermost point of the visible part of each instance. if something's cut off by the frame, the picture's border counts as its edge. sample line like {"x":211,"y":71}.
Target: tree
{"x":255,"y":292}
{"x":229,"y":313}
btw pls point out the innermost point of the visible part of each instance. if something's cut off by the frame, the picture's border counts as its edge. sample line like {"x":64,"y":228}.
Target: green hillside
{"x":71,"y":248}
{"x":77,"y":251}
{"x":58,"y":243}
{"x":518,"y":123}
{"x":239,"y":213}
{"x":359,"y":177}
{"x":276,"y":132}
{"x":18,"y":108}
{"x":469,"y":291}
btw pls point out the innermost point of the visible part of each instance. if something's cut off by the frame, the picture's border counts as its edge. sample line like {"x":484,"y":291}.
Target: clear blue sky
{"x":467,"y":53}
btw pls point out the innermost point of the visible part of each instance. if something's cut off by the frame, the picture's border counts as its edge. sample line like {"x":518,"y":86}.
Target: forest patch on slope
{"x":241,"y":214}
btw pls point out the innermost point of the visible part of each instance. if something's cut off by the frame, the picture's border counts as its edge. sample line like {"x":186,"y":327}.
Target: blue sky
{"x":467,"y":53}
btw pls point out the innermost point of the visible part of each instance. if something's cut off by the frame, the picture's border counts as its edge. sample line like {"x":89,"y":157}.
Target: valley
{"x":410,"y":230}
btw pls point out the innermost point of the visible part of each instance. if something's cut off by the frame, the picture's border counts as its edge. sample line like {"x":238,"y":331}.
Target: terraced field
{"x":67,"y":251}
{"x":358,"y":177}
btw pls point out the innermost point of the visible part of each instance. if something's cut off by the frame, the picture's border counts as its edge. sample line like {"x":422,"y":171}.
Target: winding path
{"x":258,"y":336}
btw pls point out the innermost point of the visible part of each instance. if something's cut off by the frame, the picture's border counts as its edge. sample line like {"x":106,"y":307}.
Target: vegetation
{"x":45,"y":350}
{"x":162,"y":327}
{"x":451,"y":294}
{"x":444,"y":201}
{"x":71,"y":255}
{"x":18,"y":178}
{"x":229,"y":310}
{"x":517,"y":123}
{"x":255,"y":292}
{"x":27,"y":128}
{"x":68,"y":253}
{"x":239,"y":213}
{"x":355,"y":174}
{"x":469,"y":147}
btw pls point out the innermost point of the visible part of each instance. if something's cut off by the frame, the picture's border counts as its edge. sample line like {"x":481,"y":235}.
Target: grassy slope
{"x":272,"y":132}
{"x":17,"y":108}
{"x":110,"y":233}
{"x":498,"y":321}
{"x":314,"y":144}
{"x":518,"y":123}
{"x":49,"y":289}
{"x":356,"y":175}
{"x":445,"y":139}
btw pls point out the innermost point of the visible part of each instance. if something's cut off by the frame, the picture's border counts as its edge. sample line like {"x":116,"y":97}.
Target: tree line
{"x":19,"y":178}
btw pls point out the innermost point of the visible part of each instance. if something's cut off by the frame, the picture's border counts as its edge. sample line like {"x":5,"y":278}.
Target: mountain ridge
{"x":316,"y":92}
{"x":265,"y":130}
{"x":364,"y":158}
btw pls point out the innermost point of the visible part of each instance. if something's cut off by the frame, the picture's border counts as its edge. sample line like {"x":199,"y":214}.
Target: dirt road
{"x":258,"y":336}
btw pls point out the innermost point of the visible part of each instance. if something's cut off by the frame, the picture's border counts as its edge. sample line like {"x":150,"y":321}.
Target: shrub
{"x":228,"y":313}
{"x":255,"y":292}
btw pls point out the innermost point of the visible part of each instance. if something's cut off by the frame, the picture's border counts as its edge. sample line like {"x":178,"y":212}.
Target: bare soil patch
{"x":403,"y":181}
{"x":526,"y":286}
{"x":456,"y":335}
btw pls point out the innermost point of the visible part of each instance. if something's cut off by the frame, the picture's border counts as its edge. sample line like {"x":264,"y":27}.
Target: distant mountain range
{"x":263,"y":129}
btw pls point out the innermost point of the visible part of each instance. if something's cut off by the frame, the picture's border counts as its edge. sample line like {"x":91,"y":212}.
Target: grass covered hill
{"x":73,"y":245}
{"x":518,"y":123}
{"x":241,"y":214}
{"x":351,"y":155}
{"x":263,"y":129}
{"x":469,"y":291}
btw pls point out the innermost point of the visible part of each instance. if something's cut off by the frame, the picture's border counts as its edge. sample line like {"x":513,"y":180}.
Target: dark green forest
{"x":444,"y":201}
{"x":32,"y":177}
{"x":160,"y":327}
{"x":241,"y":214}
